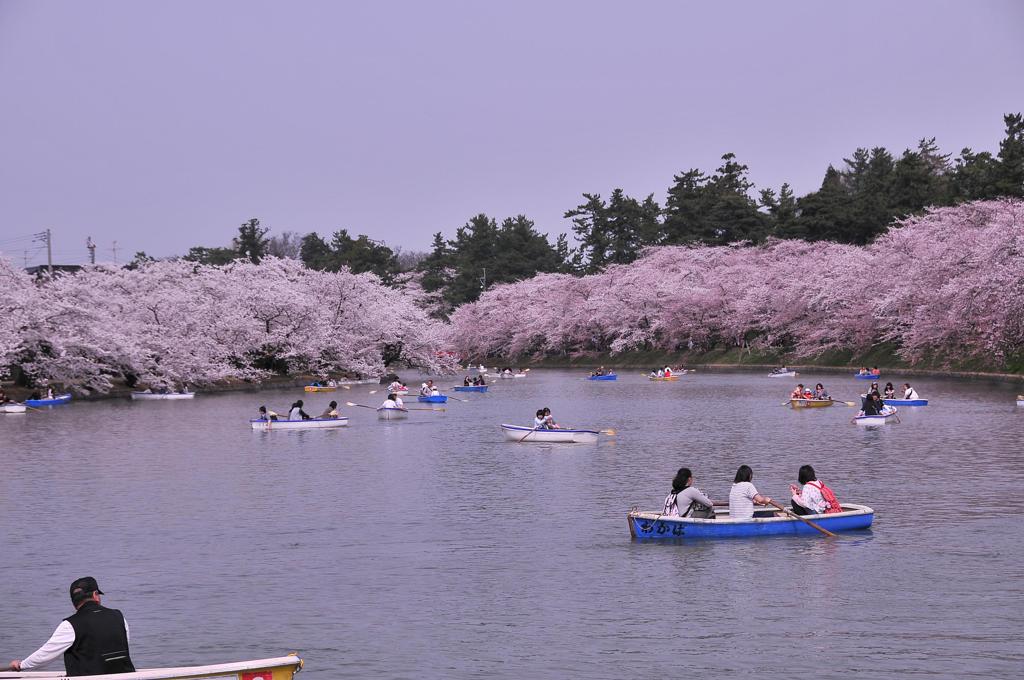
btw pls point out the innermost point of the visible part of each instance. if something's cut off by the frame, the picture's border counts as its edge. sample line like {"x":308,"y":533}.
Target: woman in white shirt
{"x":743,"y":495}
{"x":687,"y":498}
{"x":807,"y":498}
{"x":909,"y":392}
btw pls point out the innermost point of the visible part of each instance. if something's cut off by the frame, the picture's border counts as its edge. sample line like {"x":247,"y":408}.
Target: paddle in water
{"x":802,"y":519}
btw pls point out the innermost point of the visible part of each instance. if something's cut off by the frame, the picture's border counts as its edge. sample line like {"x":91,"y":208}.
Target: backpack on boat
{"x":831,"y":502}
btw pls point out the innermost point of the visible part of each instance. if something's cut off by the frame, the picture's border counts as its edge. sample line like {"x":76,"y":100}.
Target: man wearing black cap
{"x":93,"y":640}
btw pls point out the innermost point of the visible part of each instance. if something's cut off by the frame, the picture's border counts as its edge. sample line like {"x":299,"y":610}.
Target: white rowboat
{"x":519,"y":433}
{"x":280,"y":668}
{"x":311,"y":424}
{"x":392,"y":413}
{"x":887,"y":415}
{"x":13,"y":408}
{"x":784,"y":374}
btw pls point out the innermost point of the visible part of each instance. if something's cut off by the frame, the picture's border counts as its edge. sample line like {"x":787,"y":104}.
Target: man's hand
{"x":15,"y":665}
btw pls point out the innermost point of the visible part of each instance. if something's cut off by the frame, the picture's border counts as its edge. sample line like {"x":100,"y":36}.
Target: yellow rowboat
{"x":280,"y":668}
{"x":810,"y":403}
{"x":663,"y":379}
{"x":319,"y":388}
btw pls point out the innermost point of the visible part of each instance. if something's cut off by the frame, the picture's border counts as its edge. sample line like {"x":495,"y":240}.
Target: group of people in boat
{"x":323,"y":383}
{"x":801,"y":392}
{"x":873,"y":403}
{"x":393,"y":401}
{"x":809,"y":497}
{"x":601,"y":371}
{"x":428,"y":389}
{"x":397,"y":386}
{"x":665,"y":372}
{"x":544,"y":420}
{"x":781,"y":370}
{"x":873,"y":371}
{"x":297,"y":412}
{"x":476,"y":380}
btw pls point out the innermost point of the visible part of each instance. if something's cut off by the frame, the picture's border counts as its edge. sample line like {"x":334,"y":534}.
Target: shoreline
{"x":646,"y":360}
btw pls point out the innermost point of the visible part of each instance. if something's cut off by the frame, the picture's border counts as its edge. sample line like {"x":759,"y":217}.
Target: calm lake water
{"x":432,"y":548}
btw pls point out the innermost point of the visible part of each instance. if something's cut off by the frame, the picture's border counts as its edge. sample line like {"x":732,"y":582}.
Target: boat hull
{"x":520,"y":433}
{"x":663,"y":379}
{"x":433,"y":399}
{"x":392,"y":413}
{"x":470,"y":388}
{"x":880,"y":419}
{"x":311,"y":424}
{"x":280,"y":668}
{"x":13,"y":408}
{"x":810,"y":403}
{"x":56,"y":401}
{"x":907,"y":402}
{"x":651,"y":525}
{"x":858,"y":376}
{"x":611,"y":376}
{"x":784,"y":374}
{"x":154,"y":396}
{"x":319,"y":388}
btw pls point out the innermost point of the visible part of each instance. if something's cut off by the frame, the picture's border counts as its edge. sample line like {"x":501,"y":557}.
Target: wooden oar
{"x":610,"y":432}
{"x":404,"y":408}
{"x":803,"y":519}
{"x":526,"y":435}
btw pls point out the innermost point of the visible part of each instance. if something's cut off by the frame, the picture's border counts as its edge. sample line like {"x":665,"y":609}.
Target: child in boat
{"x":267,"y":415}
{"x":539,"y":421}
{"x":798,"y":393}
{"x":668,"y":371}
{"x":331,"y":411}
{"x":465,"y":383}
{"x":820,"y":393}
{"x":549,"y":419}
{"x":890,"y":391}
{"x":909,"y":392}
{"x":691,"y":498}
{"x":393,"y":401}
{"x":744,"y":495}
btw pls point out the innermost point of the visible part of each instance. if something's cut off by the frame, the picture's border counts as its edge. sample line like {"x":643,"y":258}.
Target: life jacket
{"x":831,"y":502}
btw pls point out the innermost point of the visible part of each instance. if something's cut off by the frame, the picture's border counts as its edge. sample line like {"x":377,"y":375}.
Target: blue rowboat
{"x":607,"y":376}
{"x":868,"y":376}
{"x":907,"y":402}
{"x":433,"y":399}
{"x":470,"y":388}
{"x":653,"y":525}
{"x":56,"y":401}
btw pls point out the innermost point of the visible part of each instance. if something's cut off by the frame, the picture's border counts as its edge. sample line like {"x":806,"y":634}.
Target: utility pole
{"x":48,"y":238}
{"x":115,"y":249}
{"x":92,"y":249}
{"x":483,"y":280}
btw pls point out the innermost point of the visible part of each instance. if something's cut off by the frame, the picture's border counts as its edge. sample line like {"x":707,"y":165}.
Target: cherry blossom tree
{"x":946,"y":286}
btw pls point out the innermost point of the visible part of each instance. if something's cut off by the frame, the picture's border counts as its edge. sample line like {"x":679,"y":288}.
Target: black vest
{"x":101,"y":642}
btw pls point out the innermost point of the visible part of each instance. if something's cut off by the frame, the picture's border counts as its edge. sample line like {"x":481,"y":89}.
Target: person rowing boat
{"x":296,"y":412}
{"x":331,"y":412}
{"x":393,"y":401}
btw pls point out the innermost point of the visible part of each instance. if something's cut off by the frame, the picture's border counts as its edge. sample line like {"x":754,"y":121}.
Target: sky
{"x":160,"y":126}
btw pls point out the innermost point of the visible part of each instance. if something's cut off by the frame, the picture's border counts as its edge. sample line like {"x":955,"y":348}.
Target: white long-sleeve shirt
{"x":810,"y":497}
{"x":61,"y":640}
{"x":910,"y":393}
